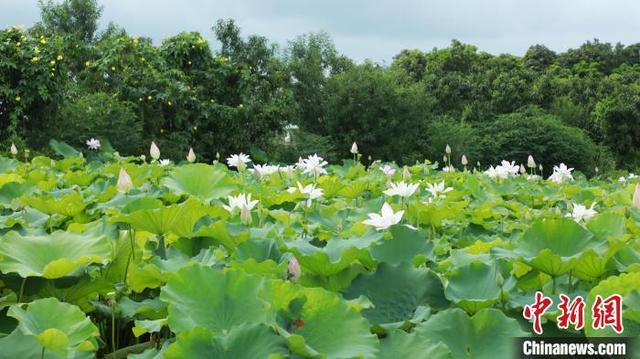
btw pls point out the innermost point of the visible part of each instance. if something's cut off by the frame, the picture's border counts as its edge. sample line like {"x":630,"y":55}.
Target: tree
{"x":312,"y":59}
{"x":619,"y":116}
{"x":369,"y":105}
{"x":74,"y":18}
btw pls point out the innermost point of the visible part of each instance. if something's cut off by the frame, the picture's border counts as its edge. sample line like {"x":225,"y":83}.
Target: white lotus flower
{"x":530,"y":162}
{"x":244,"y":203}
{"x":582,"y":213}
{"x":313,"y":165}
{"x":14,"y":149}
{"x":449,"y":169}
{"x":287,"y":169}
{"x":191,"y":156}
{"x":264,"y":170}
{"x":522,"y":169}
{"x":497,"y":172}
{"x":385,"y":219}
{"x":154,"y":151}
{"x":561,"y":174}
{"x":387,"y":170}
{"x":125,"y":184}
{"x":438,"y":190}
{"x":504,"y":170}
{"x":238,"y":161}
{"x":401,"y":189}
{"x":464,"y":160}
{"x":310,"y":191}
{"x":511,"y":167}
{"x":354,"y":148}
{"x":164,"y":162}
{"x":93,"y":144}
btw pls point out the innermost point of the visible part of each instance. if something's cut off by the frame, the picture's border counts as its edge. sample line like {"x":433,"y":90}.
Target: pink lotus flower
{"x":154,"y":151}
{"x":125,"y":184}
{"x":636,"y":196}
{"x":294,"y":269}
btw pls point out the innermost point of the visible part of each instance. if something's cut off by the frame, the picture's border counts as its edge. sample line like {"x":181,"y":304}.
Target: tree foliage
{"x":240,"y":92}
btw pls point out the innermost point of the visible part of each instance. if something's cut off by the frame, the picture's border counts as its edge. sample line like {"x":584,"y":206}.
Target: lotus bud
{"x":354,"y":148}
{"x":154,"y":151}
{"x":636,"y":196}
{"x":217,"y":156}
{"x":522,"y":169}
{"x":124,"y":181}
{"x":294,"y":269}
{"x":444,"y":158}
{"x":191,"y":157}
{"x":14,"y":149}
{"x":406,"y":175}
{"x":447,"y":149}
{"x":530,"y":162}
{"x":540,"y":167}
{"x":464,"y":160}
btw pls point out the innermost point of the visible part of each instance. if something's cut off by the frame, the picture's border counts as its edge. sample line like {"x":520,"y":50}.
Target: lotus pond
{"x":115,"y":257}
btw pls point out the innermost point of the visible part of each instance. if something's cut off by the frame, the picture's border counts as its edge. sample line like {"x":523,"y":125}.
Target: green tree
{"x":72,"y":18}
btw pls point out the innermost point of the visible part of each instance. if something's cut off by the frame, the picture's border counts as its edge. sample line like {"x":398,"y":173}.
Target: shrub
{"x":101,"y":116}
{"x":463,"y":138}
{"x":514,"y":136}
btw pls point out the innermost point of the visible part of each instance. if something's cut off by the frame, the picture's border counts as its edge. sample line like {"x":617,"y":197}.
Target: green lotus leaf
{"x":19,"y":345}
{"x":553,"y":245}
{"x":328,"y":326}
{"x":150,"y":308}
{"x":402,"y":247}
{"x":485,"y":335}
{"x":57,"y":326}
{"x":607,"y":225}
{"x":178,"y":219}
{"x":230,"y":235}
{"x":397,"y":292}
{"x":66,"y":204}
{"x":13,"y":190}
{"x":214,"y":299}
{"x":336,"y":256}
{"x":52,"y":255}
{"x":148,"y":326}
{"x":473,"y":286}
{"x":246,"y":341}
{"x":157,"y":271}
{"x":199,"y":180}
{"x":624,"y":285}
{"x":63,"y":149}
{"x":400,"y":344}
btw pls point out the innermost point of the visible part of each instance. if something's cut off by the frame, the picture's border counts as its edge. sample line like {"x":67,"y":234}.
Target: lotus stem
{"x":22,"y":285}
{"x":113,"y":328}
{"x":162,"y":252}
{"x":132,"y":240}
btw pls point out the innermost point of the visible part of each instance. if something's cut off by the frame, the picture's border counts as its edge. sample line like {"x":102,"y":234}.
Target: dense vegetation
{"x":109,"y":256}
{"x":62,"y":78}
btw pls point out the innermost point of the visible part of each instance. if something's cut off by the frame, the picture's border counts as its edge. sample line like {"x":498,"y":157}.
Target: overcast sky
{"x":378,"y":29}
